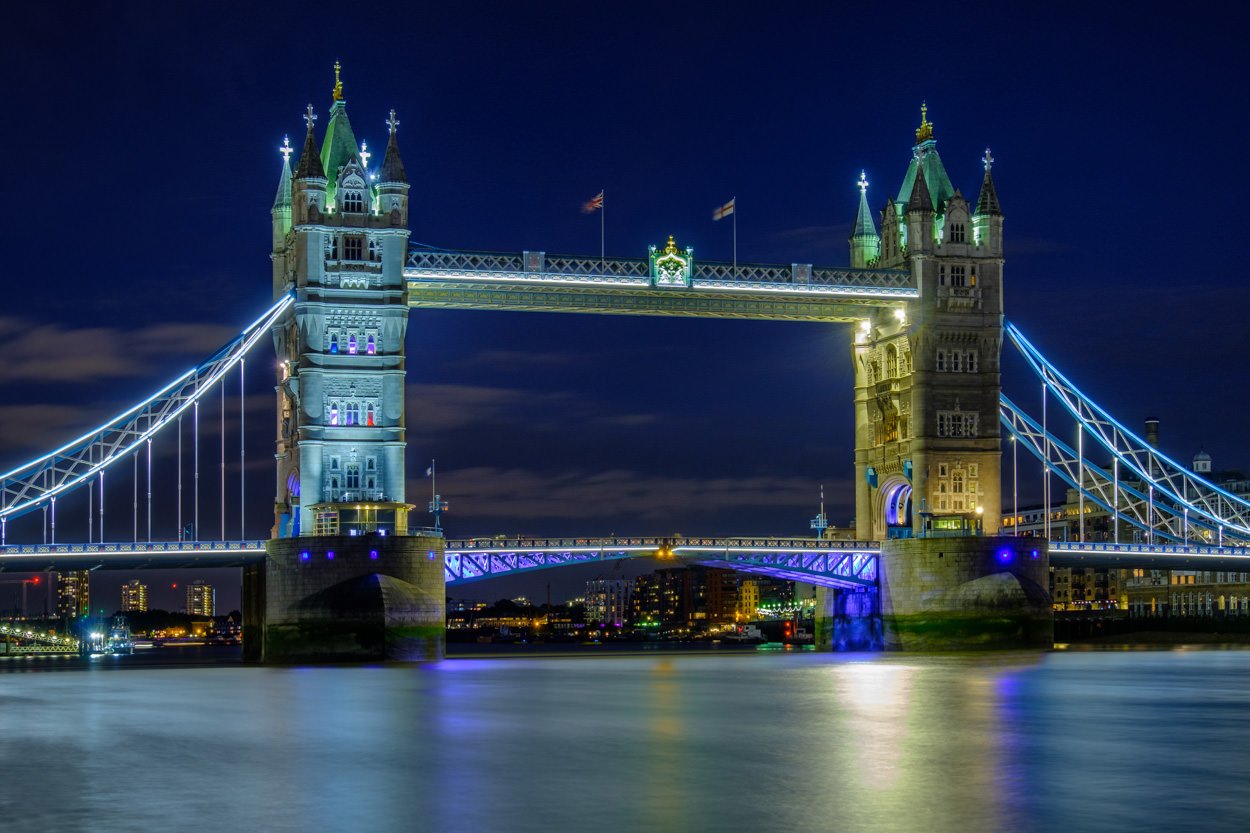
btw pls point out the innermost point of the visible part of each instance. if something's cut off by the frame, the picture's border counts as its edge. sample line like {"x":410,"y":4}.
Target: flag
{"x":725,"y":210}
{"x":593,"y":204}
{"x":429,"y":472}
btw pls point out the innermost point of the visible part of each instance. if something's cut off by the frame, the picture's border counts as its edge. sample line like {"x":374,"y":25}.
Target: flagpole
{"x":603,"y":210}
{"x":735,"y":202}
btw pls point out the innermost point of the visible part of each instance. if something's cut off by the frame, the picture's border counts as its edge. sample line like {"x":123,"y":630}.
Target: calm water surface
{"x":798,"y":742}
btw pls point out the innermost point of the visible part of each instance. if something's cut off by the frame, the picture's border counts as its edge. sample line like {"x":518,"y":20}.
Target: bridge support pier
{"x":346,"y":599}
{"x":947,"y":594}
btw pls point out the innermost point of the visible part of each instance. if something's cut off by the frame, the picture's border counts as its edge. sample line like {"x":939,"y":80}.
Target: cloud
{"x":52,"y":353}
{"x":434,"y":408}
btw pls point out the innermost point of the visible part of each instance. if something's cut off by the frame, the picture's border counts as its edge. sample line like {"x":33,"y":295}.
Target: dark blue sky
{"x":142,"y":143}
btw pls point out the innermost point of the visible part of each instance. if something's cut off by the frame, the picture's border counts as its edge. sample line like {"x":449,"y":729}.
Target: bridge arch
{"x":893,"y":516}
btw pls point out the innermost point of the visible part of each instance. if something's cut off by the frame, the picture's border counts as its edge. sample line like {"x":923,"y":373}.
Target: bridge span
{"x":824,"y":563}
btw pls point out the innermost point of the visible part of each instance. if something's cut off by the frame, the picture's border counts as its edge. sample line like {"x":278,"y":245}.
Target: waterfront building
{"x":685,"y":598}
{"x":201,"y":599}
{"x":759,"y":596}
{"x":73,"y":594}
{"x":607,"y":601}
{"x":134,"y":596}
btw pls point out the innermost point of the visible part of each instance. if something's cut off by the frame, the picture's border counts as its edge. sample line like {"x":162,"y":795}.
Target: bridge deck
{"x":534,"y":281}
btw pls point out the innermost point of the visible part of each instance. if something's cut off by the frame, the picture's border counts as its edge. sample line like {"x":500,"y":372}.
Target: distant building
{"x":134,"y":596}
{"x":201,"y":599}
{"x":73,"y":594}
{"x":607,"y":601}
{"x":685,"y":597}
{"x":760,"y":596}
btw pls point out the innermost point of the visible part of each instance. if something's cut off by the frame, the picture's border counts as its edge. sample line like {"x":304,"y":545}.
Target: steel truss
{"x":842,"y":564}
{"x":1176,"y":497}
{"x":36,"y":483}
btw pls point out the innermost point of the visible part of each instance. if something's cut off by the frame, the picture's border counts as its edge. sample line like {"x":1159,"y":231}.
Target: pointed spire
{"x":309,"y":159}
{"x":392,"y":164}
{"x":864,"y":226}
{"x":283,"y":197}
{"x":920,"y":199}
{"x":987,"y":200}
{"x":337,"y":92}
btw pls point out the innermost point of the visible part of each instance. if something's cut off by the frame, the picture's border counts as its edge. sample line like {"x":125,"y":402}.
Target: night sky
{"x":142,"y":143}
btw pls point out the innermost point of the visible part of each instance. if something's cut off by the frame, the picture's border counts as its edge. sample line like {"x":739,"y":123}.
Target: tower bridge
{"x":345,"y":575}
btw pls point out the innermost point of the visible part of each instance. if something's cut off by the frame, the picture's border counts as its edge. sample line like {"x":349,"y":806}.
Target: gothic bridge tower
{"x":344,"y":578}
{"x":927,"y":448}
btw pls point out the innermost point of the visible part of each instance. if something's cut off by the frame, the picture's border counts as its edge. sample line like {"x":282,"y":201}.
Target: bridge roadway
{"x":830,"y":563}
{"x":536,"y":281}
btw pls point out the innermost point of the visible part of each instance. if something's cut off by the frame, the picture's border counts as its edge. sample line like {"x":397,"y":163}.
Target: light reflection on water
{"x":798,"y":742}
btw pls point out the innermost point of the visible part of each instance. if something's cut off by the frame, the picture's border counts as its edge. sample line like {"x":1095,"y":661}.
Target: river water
{"x":1106,"y":741}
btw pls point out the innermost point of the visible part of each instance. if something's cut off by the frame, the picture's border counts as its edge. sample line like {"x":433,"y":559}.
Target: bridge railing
{"x":636,"y":272}
{"x":512,"y":544}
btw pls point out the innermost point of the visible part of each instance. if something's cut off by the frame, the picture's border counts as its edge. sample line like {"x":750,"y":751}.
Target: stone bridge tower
{"x":927,"y":448}
{"x":342,"y":552}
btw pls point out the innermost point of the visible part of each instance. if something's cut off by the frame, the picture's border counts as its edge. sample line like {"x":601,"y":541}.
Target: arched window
{"x":941,"y":361}
{"x":957,"y":482}
{"x":956,"y":362}
{"x":352,"y":413}
{"x":334,"y":413}
{"x":970,"y":362}
{"x":369,"y":418}
{"x":957,"y":233}
{"x":334,"y":342}
{"x":353,"y":201}
{"x":371,"y":348}
{"x":891,"y":361}
{"x":351,"y":344}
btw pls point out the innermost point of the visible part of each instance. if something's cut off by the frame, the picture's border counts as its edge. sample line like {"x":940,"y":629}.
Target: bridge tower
{"x":927,"y":448}
{"x":345,"y":577}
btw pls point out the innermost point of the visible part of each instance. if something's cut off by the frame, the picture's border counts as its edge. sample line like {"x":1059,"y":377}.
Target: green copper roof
{"x":283,"y":197}
{"x":864,"y":226}
{"x":340,"y":144}
{"x":940,"y":188}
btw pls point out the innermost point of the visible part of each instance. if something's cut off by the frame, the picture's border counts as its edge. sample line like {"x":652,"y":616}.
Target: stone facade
{"x":927,"y":448}
{"x":343,"y":579}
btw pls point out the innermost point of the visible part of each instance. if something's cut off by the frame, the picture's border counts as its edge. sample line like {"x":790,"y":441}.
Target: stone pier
{"x":346,"y":599}
{"x":945,"y":594}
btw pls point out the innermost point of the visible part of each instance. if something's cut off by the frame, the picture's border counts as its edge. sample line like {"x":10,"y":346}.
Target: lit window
{"x":334,"y":343}
{"x":369,"y":420}
{"x":352,"y":413}
{"x":351,"y":344}
{"x":334,"y":413}
{"x":370,"y":347}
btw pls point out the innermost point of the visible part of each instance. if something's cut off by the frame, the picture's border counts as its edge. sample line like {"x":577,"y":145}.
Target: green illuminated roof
{"x":283,"y":197}
{"x":939,"y":184}
{"x":340,"y":144}
{"x":864,"y":226}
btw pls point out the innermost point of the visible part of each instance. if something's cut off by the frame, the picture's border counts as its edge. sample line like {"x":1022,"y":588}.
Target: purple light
{"x":305,"y":555}
{"x":330,"y":555}
{"x":431,"y":555}
{"x":373,"y":554}
{"x":1034,"y":553}
{"x":1004,"y":555}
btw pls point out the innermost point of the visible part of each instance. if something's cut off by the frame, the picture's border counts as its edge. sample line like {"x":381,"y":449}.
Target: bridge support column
{"x":347,"y":599}
{"x":946,"y":594}
{"x":848,"y":620}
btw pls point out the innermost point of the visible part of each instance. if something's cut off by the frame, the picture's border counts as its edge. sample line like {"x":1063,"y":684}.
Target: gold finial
{"x":338,"y":84}
{"x":925,"y":131}
{"x":671,"y":248}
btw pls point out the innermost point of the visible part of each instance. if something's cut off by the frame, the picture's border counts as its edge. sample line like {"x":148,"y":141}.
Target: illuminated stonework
{"x":671,"y":267}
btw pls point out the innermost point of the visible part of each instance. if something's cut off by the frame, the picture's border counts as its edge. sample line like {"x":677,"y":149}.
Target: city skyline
{"x":546,"y":424}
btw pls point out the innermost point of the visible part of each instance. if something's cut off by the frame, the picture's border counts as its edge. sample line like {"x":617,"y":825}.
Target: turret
{"x":987,"y":219}
{"x":281,"y":211}
{"x":392,"y":179}
{"x":308,"y":191}
{"x":919,"y":216}
{"x":865,"y":244}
